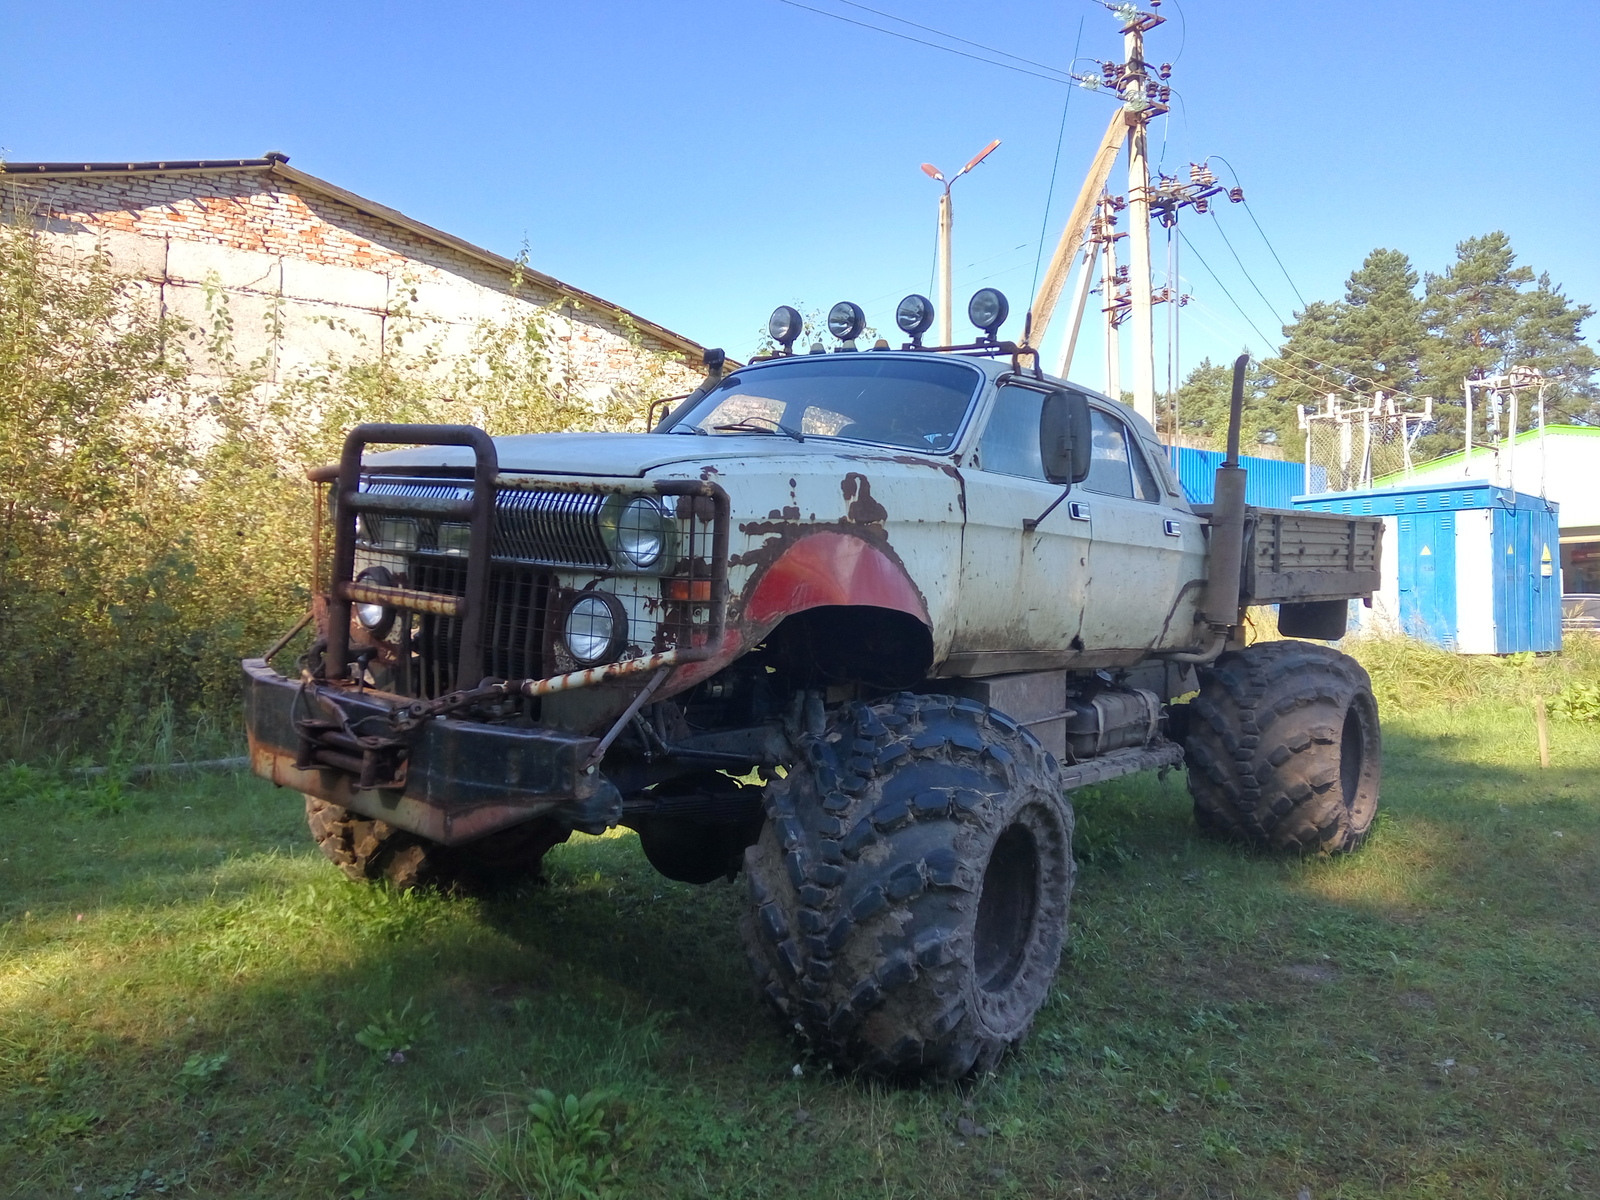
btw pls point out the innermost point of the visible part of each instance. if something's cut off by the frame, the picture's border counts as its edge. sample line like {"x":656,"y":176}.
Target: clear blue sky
{"x":701,"y":163}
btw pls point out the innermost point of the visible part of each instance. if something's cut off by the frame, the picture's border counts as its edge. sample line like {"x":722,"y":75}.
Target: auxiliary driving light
{"x":595,"y":628}
{"x":914,"y":316}
{"x":846,"y":321}
{"x":376,"y":619}
{"x":784,"y":326}
{"x":988,"y":310}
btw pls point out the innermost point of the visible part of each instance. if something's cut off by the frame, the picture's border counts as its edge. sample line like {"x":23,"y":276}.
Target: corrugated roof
{"x":278,"y":165}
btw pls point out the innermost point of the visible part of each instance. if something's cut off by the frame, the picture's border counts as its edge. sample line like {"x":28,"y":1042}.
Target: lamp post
{"x":946,"y":219}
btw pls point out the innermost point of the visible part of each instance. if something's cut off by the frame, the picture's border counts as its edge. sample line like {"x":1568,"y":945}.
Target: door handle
{"x":1172,"y":528}
{"x":1078,"y":510}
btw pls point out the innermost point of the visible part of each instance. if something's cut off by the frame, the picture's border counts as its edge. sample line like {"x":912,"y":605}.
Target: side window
{"x":1109,"y":472}
{"x":1010,"y":441}
{"x":1160,"y":460}
{"x":1144,"y":480}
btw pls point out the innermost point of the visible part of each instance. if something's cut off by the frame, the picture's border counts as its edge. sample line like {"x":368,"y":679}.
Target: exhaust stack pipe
{"x":1221,"y":605}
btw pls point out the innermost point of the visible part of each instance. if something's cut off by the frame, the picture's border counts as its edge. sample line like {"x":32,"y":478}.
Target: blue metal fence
{"x":1270,"y":483}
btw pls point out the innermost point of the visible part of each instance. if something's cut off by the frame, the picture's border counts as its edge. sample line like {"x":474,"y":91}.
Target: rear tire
{"x":909,"y":894}
{"x":367,"y":850}
{"x":1284,"y":750}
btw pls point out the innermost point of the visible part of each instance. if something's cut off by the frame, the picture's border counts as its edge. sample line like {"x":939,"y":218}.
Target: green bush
{"x":155,"y":527}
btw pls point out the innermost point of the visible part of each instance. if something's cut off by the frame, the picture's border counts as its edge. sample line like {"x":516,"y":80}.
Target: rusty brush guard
{"x":422,"y":762}
{"x":344,"y":591}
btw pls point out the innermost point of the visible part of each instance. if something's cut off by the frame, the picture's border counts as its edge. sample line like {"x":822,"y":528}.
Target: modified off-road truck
{"x":924,"y":593}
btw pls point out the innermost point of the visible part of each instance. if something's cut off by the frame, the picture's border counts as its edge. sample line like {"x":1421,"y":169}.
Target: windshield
{"x":915,"y":403}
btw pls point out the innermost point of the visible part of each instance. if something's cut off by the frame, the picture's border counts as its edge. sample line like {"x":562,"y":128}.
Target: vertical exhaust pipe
{"x":1221,"y":605}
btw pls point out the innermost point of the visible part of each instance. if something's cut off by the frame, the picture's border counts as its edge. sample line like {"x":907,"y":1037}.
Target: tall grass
{"x":1409,"y":674}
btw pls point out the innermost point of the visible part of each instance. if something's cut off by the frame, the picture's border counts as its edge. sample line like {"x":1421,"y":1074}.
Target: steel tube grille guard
{"x":485,"y":610}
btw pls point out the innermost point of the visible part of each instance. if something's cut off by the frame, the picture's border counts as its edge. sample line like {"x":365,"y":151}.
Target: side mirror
{"x":1066,"y":439}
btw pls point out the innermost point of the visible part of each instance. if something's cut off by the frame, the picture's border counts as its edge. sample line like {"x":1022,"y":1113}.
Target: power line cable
{"x":1061,"y":78}
{"x":1271,"y":307}
{"x":955,"y":38}
{"x":1262,"y":231}
{"x":1055,"y":165}
{"x":1224,"y":287}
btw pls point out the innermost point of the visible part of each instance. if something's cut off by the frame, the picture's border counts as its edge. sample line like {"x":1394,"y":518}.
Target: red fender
{"x":832,"y":568}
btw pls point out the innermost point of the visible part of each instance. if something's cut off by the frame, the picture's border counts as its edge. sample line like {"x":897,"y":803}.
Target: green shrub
{"x":1577,"y":702}
{"x":156,"y":527}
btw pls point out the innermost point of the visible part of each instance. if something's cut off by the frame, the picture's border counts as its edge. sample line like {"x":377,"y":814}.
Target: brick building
{"x":306,"y":271}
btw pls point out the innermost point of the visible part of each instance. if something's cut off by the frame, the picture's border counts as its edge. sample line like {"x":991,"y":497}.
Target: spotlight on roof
{"x":988,"y":310}
{"x":846,"y":321}
{"x":784,"y":326}
{"x":915,"y":317}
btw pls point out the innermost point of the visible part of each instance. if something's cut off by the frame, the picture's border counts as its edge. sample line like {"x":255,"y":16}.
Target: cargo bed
{"x":1295,"y":556}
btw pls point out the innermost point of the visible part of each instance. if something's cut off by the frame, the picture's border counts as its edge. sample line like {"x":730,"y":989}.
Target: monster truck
{"x":854,"y":623}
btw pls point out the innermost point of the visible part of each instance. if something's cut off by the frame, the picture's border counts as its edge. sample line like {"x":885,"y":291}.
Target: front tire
{"x":1284,"y":750}
{"x":909,"y":894}
{"x":369,"y":850}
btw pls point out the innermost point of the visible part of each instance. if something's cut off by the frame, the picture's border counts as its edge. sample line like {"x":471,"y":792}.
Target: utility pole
{"x":1142,"y":100}
{"x":946,"y":225}
{"x":946,"y":228}
{"x":1113,"y":310}
{"x":1144,"y":334}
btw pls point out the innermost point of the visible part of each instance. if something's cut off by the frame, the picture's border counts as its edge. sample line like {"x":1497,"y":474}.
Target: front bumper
{"x":450,"y":781}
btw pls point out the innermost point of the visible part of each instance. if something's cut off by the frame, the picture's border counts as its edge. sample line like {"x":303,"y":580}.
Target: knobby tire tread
{"x":1264,"y":745}
{"x":864,"y":886}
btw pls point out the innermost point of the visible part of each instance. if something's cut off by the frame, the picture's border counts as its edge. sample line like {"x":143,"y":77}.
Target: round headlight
{"x":642,"y":533}
{"x":988,"y":309}
{"x":594,"y":627}
{"x":915,"y":315}
{"x":376,"y":619}
{"x":846,"y":321}
{"x":785,"y":325}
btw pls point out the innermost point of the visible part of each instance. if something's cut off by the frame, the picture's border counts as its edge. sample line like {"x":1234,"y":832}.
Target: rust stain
{"x":863,"y":509}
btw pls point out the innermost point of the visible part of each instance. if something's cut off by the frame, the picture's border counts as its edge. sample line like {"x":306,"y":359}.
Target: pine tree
{"x":1204,"y":400}
{"x":1471,"y":314}
{"x":1547,"y":337}
{"x":1380,"y":327}
{"x":1482,"y":322}
{"x":1312,"y":360}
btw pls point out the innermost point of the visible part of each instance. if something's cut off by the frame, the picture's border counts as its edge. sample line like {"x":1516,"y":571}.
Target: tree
{"x":1471,"y":315}
{"x":1548,"y":338}
{"x":1369,"y":342}
{"x":1482,"y":322}
{"x":1312,"y":360}
{"x":1380,"y":326}
{"x":1204,"y":400}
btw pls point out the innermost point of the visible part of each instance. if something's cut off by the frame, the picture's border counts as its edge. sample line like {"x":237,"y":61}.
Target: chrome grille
{"x":561,"y":529}
{"x":553,"y":527}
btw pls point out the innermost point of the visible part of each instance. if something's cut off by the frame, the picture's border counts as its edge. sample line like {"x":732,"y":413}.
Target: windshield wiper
{"x":747,"y":426}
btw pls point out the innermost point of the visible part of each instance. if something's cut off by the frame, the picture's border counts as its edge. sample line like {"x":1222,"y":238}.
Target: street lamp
{"x":945,"y":220}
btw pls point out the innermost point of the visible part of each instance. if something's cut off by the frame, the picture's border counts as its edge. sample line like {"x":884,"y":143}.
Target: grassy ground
{"x":192,"y":1002}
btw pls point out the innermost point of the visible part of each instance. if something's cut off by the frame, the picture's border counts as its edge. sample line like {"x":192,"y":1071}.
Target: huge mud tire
{"x":1283,"y":748}
{"x":368,"y":850}
{"x":909,"y":894}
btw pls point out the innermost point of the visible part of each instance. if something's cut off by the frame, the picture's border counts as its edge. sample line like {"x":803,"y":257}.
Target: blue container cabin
{"x":1466,"y":565}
